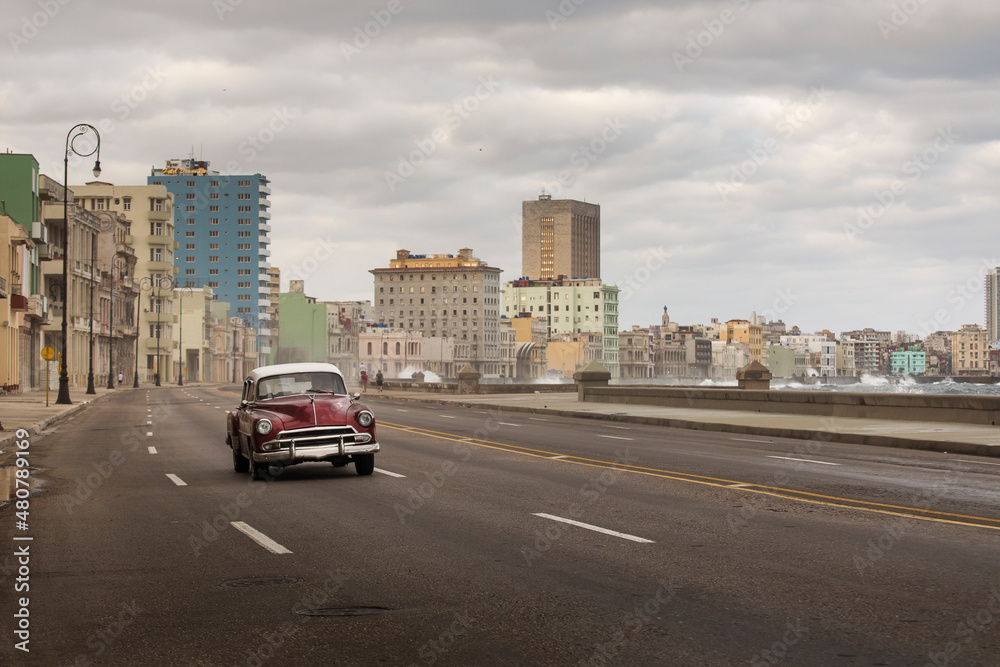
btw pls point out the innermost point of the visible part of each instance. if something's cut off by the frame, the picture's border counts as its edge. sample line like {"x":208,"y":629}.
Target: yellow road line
{"x":762,"y":489}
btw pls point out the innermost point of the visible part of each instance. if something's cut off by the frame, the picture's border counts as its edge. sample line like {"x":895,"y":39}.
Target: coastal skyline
{"x":831,"y":167}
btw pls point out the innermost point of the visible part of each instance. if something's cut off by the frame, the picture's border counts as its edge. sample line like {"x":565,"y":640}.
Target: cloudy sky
{"x":833,"y":163}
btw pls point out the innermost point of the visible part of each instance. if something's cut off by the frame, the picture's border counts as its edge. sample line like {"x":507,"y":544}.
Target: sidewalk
{"x":932,"y":436}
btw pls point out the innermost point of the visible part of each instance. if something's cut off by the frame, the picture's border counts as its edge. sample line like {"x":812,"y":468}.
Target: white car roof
{"x":284,"y":369}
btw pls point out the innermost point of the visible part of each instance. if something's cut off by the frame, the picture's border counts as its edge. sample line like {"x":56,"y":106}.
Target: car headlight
{"x":365,"y":418}
{"x":264,"y":426}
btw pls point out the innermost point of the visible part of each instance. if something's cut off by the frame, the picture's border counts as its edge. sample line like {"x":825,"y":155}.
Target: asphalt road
{"x":487,"y":538}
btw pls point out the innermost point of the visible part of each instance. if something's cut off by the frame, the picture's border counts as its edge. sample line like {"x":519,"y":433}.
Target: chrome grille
{"x":317,"y":436}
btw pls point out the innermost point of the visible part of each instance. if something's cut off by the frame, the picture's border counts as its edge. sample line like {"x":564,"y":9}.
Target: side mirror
{"x":355,"y":396}
{"x":244,"y":403}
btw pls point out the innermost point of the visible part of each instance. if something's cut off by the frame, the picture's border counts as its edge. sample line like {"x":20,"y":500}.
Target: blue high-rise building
{"x":221,"y":226}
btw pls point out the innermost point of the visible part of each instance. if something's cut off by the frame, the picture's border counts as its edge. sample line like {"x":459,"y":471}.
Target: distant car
{"x":299,"y":413}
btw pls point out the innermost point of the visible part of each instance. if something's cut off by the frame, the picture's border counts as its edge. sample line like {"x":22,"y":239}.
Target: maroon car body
{"x":299,"y":413}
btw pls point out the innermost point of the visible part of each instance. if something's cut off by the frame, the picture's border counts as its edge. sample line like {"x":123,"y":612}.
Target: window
{"x":213,"y":272}
{"x":243,"y":272}
{"x":213,"y":258}
{"x":242,"y":297}
{"x":213,"y":221}
{"x":243,"y":209}
{"x":189,"y":209}
{"x":242,"y":246}
{"x":189,"y":272}
{"x":213,"y":209}
{"x":213,"y":195}
{"x":213,"y":246}
{"x":213,"y":283}
{"x":190,"y":184}
{"x":245,"y":234}
{"x":189,"y":258}
{"x":190,"y":246}
{"x":243,"y":184}
{"x":189,"y":195}
{"x":243,"y":195}
{"x":156,"y":254}
{"x":127,"y":204}
{"x":156,"y":229}
{"x":242,"y":259}
{"x":213,"y":233}
{"x":155,"y":204}
{"x":189,"y":233}
{"x":244,"y":221}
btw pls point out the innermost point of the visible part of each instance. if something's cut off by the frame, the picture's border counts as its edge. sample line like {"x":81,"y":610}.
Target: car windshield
{"x":300,"y":383}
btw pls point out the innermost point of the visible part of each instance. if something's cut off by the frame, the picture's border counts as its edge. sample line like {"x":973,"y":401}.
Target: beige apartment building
{"x":970,"y":351}
{"x":149,"y":212}
{"x":560,"y":237}
{"x":446,"y":296}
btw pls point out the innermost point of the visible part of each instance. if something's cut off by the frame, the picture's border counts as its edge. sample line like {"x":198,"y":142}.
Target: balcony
{"x":37,"y":306}
{"x":160,"y":266}
{"x":264,"y":202}
{"x":161,"y":216}
{"x":265,"y":215}
{"x":265,"y":228}
{"x":264,"y":191}
{"x":159,"y":239}
{"x":263,"y":265}
{"x":264,"y":252}
{"x":263,"y":303}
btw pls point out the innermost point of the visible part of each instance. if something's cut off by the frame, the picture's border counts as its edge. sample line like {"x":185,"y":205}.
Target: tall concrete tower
{"x":560,"y":237}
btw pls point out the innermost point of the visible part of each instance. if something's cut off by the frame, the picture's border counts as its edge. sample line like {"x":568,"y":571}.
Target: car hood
{"x":297,"y":411}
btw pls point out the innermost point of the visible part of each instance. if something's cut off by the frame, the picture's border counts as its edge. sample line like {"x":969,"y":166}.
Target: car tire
{"x":240,"y":462}
{"x":364,"y":464}
{"x":258,"y":471}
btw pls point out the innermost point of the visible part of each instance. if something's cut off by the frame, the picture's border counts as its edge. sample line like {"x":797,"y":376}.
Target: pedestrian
{"x":120,"y":379}
{"x":378,"y":380}
{"x":364,"y":382}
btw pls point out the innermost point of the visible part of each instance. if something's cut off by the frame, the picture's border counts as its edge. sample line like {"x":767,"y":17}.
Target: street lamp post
{"x":75,"y":133}
{"x":135,"y":378}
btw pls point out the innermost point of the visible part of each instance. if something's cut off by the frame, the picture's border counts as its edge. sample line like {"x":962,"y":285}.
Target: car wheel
{"x":240,"y":462}
{"x":364,"y":464}
{"x":258,"y":471}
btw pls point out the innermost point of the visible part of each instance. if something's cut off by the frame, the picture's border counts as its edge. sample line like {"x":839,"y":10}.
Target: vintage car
{"x":299,"y":413}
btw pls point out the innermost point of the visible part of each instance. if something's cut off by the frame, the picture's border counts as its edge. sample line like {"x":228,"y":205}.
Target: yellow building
{"x":742,"y":331}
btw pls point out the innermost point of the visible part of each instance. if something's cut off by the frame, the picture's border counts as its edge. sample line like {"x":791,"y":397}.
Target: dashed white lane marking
{"x":738,"y":486}
{"x":789,"y":458}
{"x":149,"y":421}
{"x":149,"y":433}
{"x":390,"y":474}
{"x":750,"y":440}
{"x":561,"y":456}
{"x":598,"y":529}
{"x":398,"y":410}
{"x":176,"y":480}
{"x":447,"y":417}
{"x":507,"y":424}
{"x":620,"y":428}
{"x":537,"y":419}
{"x":613,"y":437}
{"x":260,"y":538}
{"x":152,"y":450}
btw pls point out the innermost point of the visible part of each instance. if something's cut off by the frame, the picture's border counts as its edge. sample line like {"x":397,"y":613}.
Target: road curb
{"x":9,"y":437}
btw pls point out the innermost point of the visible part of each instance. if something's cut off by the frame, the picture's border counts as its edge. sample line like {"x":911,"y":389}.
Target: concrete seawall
{"x":961,"y":409}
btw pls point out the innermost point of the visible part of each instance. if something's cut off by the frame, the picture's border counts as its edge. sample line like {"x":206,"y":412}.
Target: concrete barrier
{"x":961,"y":409}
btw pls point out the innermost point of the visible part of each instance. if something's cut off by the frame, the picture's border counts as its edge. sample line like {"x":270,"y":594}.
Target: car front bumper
{"x":290,"y":453}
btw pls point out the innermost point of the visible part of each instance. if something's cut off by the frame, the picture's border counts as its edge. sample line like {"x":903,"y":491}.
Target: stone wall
{"x":964,"y":409}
